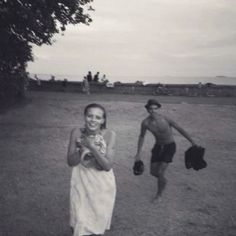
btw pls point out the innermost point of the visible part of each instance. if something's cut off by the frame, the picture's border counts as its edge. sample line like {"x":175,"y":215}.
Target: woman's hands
{"x":77,"y":147}
{"x":86,"y":142}
{"x":85,"y":145}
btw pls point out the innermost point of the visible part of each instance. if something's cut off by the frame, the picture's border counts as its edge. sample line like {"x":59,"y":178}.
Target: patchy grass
{"x":34,"y":177}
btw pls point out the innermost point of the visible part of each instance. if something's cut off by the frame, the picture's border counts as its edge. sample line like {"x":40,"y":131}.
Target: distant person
{"x":21,"y":83}
{"x":161,"y":89}
{"x":200,"y":85}
{"x":96,"y":77}
{"x":52,"y":79}
{"x":86,"y":86}
{"x":103,"y":79}
{"x":37,"y":80}
{"x":164,"y":148}
{"x":200,"y":89}
{"x":133,"y":89}
{"x":36,"y":77}
{"x":89,"y":77}
{"x":93,"y":186}
{"x":64,"y":84}
{"x":186,"y":90}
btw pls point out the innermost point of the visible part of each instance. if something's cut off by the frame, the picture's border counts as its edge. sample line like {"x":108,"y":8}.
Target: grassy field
{"x":34,"y":177}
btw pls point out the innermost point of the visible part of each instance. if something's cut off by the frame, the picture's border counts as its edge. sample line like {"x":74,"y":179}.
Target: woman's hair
{"x":96,"y":105}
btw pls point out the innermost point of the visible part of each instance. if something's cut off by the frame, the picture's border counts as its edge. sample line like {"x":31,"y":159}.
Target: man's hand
{"x":137,"y":157}
{"x":193,"y":143}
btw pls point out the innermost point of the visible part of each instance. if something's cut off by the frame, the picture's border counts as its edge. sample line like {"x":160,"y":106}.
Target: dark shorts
{"x":163,"y":153}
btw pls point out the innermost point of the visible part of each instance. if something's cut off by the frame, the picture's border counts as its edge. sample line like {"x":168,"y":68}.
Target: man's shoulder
{"x":146,"y":121}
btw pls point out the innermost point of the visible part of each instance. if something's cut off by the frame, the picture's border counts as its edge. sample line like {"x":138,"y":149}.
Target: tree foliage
{"x":27,"y":22}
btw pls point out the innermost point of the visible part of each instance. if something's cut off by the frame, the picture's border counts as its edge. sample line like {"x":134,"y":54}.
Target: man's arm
{"x":180,"y":130}
{"x":140,"y":141}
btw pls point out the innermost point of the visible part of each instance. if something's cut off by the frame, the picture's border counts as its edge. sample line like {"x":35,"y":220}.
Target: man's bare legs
{"x":158,"y":170}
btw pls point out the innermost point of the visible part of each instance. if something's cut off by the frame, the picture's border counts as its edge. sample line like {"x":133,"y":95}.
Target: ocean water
{"x":220,"y":80}
{"x":177,"y":80}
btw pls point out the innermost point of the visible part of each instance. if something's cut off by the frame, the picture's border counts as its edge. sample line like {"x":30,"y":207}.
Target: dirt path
{"x":34,"y":177}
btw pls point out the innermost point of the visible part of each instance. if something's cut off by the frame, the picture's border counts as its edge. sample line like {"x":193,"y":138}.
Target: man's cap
{"x":151,"y":102}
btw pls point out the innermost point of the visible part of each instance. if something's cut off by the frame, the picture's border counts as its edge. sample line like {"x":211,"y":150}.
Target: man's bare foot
{"x":157,"y":198}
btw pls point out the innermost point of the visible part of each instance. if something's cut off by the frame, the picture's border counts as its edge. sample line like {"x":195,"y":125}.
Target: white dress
{"x":92,"y":198}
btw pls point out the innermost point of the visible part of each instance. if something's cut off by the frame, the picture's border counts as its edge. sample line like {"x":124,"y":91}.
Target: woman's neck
{"x":92,"y":132}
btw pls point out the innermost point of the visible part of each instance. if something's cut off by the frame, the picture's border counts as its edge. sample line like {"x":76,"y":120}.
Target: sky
{"x":146,"y":38}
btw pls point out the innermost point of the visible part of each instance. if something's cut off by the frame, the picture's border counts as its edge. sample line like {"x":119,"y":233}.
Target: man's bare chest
{"x":159,"y":125}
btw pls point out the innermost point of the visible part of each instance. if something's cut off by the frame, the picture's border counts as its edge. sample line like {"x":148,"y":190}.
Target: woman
{"x":93,"y":187}
{"x":86,"y":87}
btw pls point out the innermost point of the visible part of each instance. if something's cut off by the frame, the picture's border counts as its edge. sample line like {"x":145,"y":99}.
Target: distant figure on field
{"x":164,"y":148}
{"x":52,"y":78}
{"x":200,"y":85}
{"x":37,"y":80}
{"x":64,"y":84}
{"x":161,"y":89}
{"x":86,"y":86}
{"x":103,"y":79}
{"x":96,"y":77}
{"x":89,"y":76}
{"x":186,"y":90}
{"x":200,"y":89}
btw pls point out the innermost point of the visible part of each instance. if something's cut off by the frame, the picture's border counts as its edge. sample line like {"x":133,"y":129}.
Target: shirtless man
{"x":164,"y":148}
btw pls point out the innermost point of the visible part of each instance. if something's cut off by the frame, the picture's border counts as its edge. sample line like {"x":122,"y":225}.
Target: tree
{"x":27,"y":22}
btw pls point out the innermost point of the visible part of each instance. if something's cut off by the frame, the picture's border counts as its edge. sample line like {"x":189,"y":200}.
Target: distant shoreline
{"x":193,"y":90}
{"x":218,"y":80}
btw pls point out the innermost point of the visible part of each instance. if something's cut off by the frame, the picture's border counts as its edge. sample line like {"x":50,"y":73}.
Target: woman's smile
{"x":94,"y":119}
{"x":93,"y":125}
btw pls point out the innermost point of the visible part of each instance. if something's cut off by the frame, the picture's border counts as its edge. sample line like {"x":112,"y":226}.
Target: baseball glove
{"x":138,"y":167}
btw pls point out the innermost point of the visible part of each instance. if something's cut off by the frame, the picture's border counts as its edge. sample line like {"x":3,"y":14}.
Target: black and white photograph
{"x":117,"y":118}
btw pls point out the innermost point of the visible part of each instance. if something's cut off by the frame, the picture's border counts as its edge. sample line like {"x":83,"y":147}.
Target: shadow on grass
{"x":7,"y":104}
